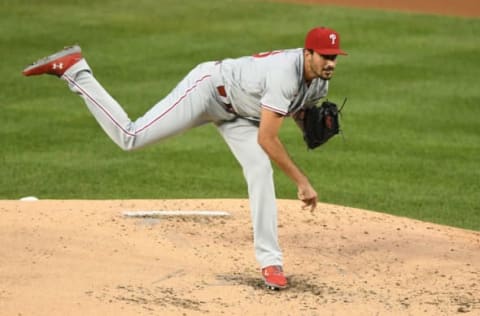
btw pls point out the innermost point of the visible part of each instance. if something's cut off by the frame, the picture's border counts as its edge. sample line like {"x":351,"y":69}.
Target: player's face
{"x":320,"y":66}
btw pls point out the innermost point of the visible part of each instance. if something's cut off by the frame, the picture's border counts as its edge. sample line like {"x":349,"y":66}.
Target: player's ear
{"x":308,"y":54}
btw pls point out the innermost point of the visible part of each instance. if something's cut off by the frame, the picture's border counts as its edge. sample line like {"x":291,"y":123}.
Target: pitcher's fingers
{"x":312,"y":203}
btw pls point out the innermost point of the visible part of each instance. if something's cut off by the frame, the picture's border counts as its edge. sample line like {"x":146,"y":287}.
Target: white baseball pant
{"x":193,"y":102}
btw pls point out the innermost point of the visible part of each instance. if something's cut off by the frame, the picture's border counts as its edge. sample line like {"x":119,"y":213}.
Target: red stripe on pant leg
{"x":110,"y":116}
{"x":107,"y":113}
{"x":174,"y":104}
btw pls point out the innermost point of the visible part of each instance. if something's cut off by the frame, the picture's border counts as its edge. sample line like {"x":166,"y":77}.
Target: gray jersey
{"x":273,"y":80}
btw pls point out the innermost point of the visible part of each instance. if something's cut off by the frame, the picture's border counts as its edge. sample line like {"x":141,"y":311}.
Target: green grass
{"x":411,"y":125}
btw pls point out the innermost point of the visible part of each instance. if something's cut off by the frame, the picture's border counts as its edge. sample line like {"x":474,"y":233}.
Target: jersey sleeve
{"x":280,"y":89}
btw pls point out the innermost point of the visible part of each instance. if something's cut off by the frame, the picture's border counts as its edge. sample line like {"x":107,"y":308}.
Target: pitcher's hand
{"x":308,"y":195}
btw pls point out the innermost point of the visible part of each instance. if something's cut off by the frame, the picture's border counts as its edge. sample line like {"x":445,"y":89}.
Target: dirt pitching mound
{"x":87,"y":258}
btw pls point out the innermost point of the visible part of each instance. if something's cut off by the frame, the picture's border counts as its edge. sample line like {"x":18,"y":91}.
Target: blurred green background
{"x":411,"y":126}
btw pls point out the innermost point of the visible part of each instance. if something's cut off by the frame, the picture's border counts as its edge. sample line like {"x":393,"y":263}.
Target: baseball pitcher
{"x":247,"y":98}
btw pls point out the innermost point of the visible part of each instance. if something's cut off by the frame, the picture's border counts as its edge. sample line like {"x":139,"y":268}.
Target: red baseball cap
{"x":324,"y":41}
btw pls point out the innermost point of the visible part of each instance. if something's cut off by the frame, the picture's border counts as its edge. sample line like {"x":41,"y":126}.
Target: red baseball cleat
{"x":274,"y":278}
{"x":55,"y":64}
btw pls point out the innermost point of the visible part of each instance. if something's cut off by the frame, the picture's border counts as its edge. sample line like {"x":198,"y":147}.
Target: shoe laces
{"x":274,"y":270}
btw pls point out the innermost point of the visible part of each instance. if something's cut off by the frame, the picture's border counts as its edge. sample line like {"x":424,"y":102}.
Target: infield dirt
{"x":86,"y":258}
{"x":466,"y":8}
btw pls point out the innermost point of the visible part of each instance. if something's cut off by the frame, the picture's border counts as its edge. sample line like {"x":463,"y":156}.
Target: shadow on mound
{"x":296,"y":284}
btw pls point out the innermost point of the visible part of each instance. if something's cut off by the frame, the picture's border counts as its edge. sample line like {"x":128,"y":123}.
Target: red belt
{"x":227,"y":106}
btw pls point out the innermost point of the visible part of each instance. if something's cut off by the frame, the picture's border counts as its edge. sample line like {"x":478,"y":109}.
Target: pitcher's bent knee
{"x":127,"y":143}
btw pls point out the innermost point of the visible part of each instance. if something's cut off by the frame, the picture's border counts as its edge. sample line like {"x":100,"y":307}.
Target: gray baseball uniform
{"x":229,"y":93}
